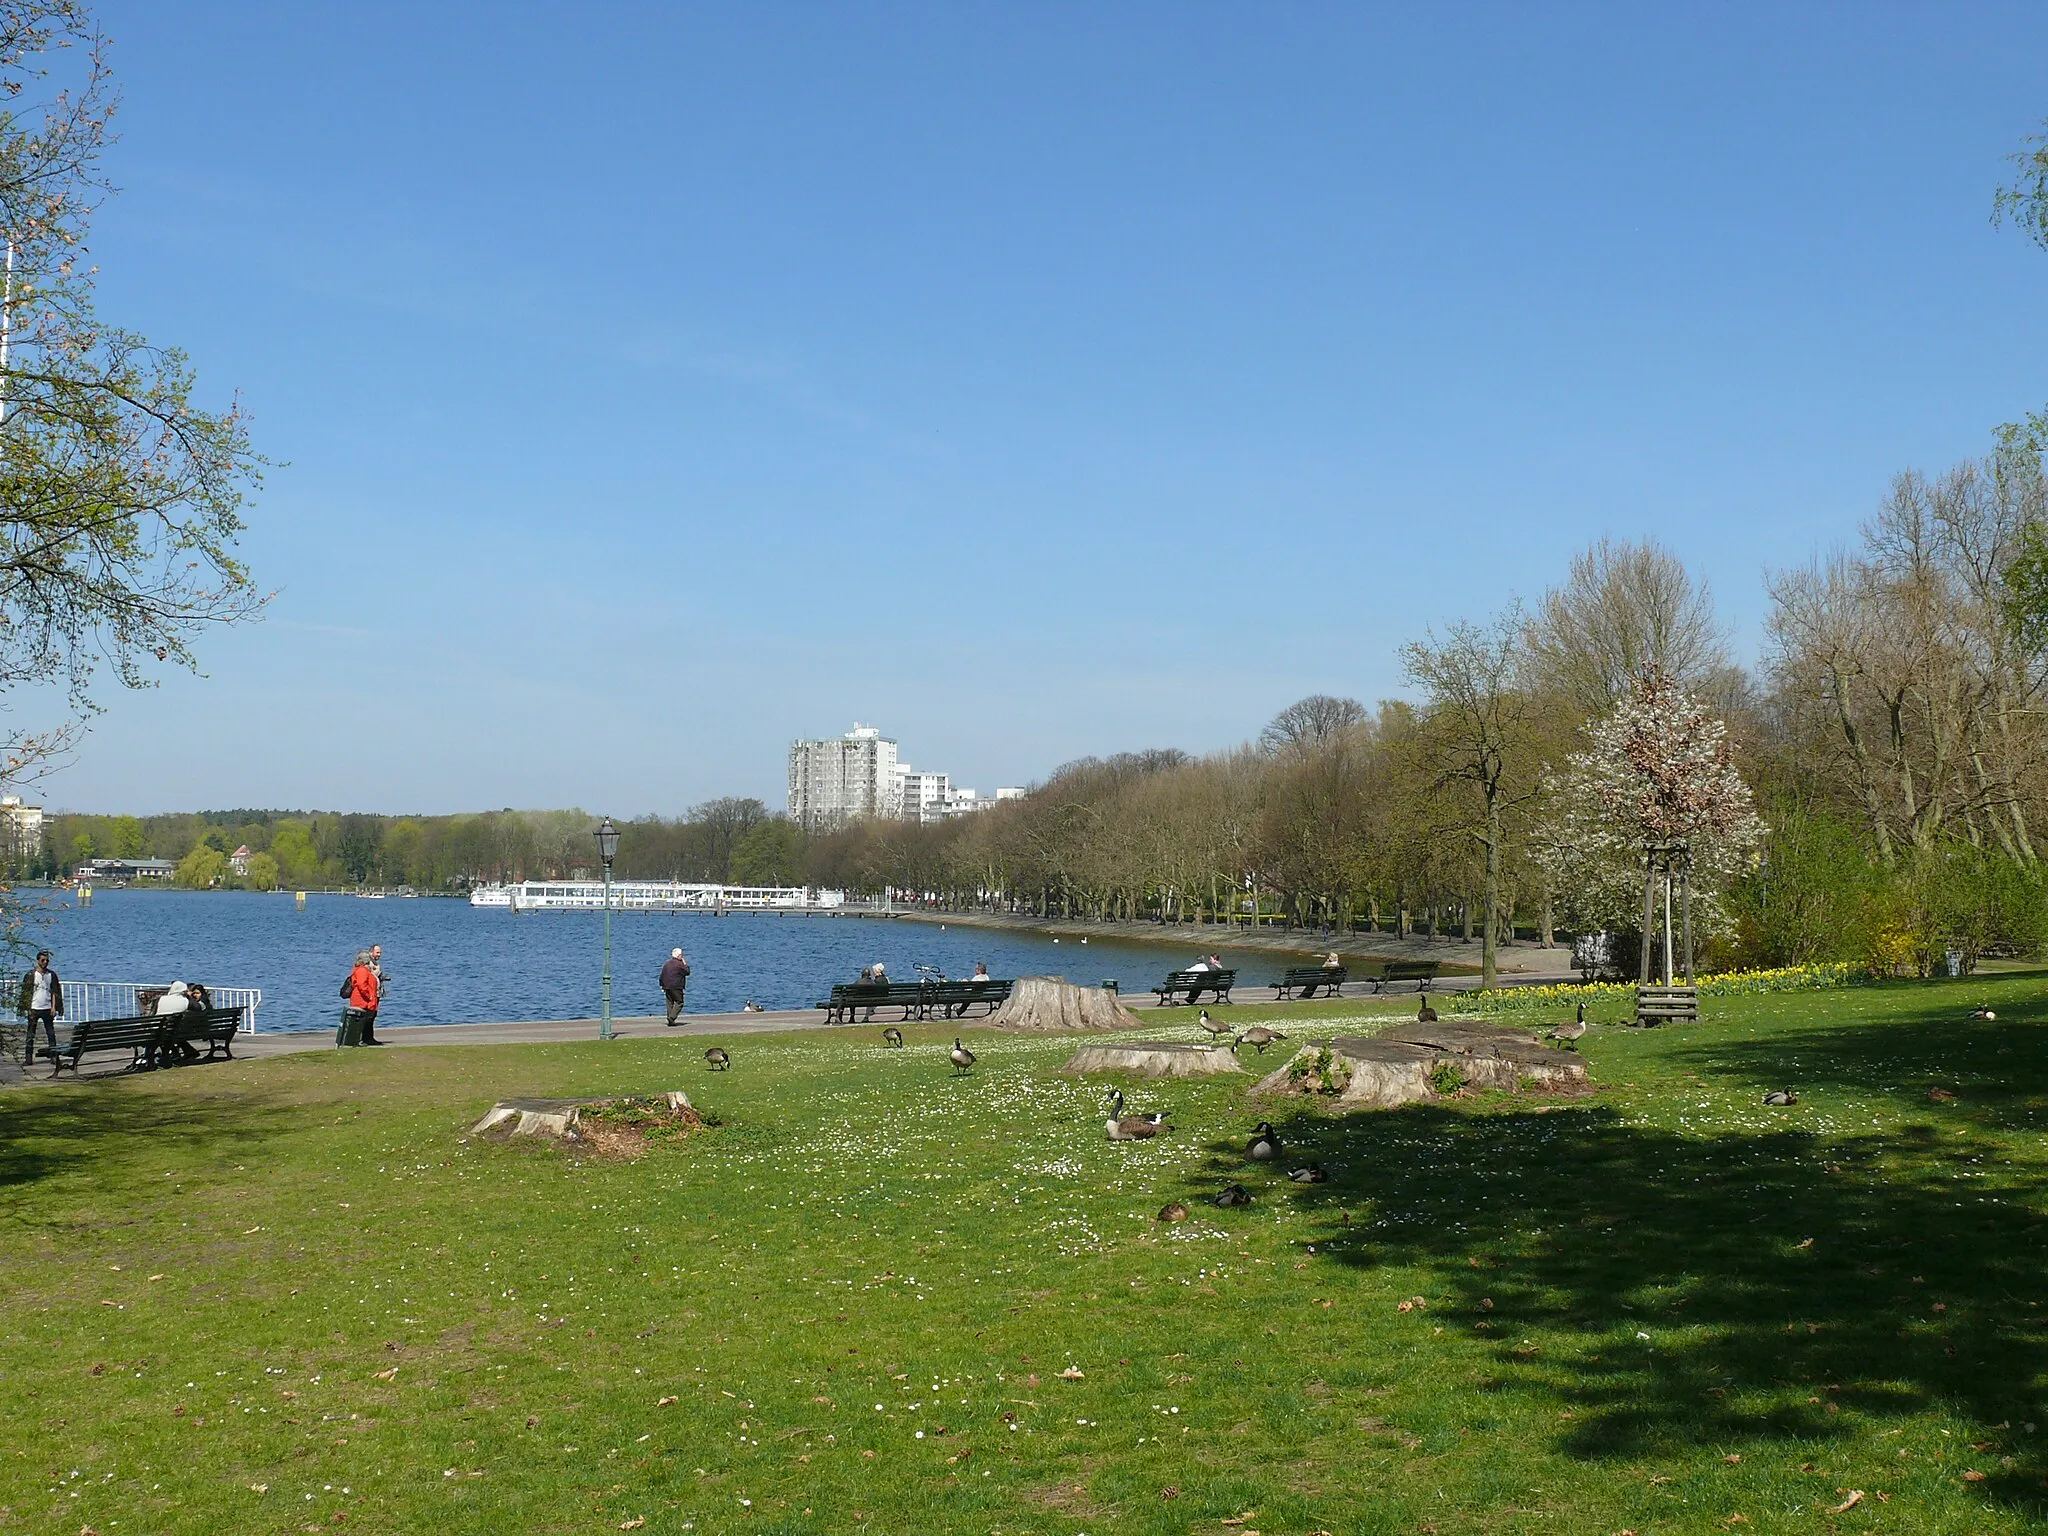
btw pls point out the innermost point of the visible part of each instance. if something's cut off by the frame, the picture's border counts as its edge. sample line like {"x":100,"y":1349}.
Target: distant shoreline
{"x":1458,"y":957}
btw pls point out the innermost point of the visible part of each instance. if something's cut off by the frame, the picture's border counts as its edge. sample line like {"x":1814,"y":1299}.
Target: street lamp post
{"x":607,"y":850}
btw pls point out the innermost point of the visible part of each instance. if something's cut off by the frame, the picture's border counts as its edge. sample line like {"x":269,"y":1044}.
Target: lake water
{"x":450,"y":963}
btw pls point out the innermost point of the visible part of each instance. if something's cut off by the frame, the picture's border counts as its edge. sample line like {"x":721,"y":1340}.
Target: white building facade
{"x":832,"y":782}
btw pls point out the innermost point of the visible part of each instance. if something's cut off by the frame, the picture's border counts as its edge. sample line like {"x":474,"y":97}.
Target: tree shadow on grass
{"x":1911,"y":1297}
{"x":49,"y":1133}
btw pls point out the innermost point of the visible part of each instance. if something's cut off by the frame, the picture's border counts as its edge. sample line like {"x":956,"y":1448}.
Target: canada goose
{"x":718,"y":1058}
{"x":1117,"y":1108}
{"x":1259,"y":1036}
{"x":1582,"y":1011}
{"x":1982,"y":1013}
{"x":1173,"y":1210}
{"x":963,"y":1058}
{"x":1569,"y":1031}
{"x":1265,"y":1143}
{"x":1123,"y":1127}
{"x":1313,"y":1173}
{"x":1234,"y":1194}
{"x":893,"y":1036}
{"x":1779,"y":1098}
{"x":750,"y":1006}
{"x":1425,"y":1014}
{"x":1211,"y":1027}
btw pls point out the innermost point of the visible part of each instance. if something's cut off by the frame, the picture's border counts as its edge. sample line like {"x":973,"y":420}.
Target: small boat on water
{"x":652,"y":896}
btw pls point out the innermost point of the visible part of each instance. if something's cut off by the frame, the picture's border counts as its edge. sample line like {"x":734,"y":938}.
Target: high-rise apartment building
{"x":833,"y":781}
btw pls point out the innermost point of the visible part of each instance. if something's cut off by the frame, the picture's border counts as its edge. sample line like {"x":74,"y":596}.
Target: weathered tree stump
{"x":1048,"y":1005}
{"x":1413,"y":1063}
{"x":1154,"y":1058}
{"x":559,"y":1119}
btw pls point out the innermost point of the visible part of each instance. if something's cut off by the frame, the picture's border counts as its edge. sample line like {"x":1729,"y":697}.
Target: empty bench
{"x":149,"y":1040}
{"x":1302,"y":980}
{"x":1667,"y":1005}
{"x":1188,"y":986}
{"x":1421,"y":972}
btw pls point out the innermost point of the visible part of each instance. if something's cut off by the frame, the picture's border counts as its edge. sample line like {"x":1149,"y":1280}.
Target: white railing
{"x":88,"y":1000}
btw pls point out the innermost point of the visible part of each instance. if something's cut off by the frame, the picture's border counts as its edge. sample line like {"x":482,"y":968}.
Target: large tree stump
{"x":559,"y":1119}
{"x":1413,"y":1063}
{"x":1154,"y":1058}
{"x":1048,"y":1005}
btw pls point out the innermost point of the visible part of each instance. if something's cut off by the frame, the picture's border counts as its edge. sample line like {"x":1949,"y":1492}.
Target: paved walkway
{"x":651,"y":1026}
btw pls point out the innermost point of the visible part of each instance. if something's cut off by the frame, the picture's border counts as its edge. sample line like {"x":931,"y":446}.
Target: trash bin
{"x":350,"y":1031}
{"x":1109,"y":985}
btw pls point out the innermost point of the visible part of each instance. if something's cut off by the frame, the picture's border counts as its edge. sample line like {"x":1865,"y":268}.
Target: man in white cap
{"x":675,"y":975}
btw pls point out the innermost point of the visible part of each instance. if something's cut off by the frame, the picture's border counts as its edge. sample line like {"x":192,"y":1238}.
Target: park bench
{"x":952,"y":999}
{"x":1421,"y":972}
{"x":847,"y":996}
{"x":1667,"y":1005}
{"x":1304,"y":979}
{"x":150,"y":1041}
{"x":1188,"y":986}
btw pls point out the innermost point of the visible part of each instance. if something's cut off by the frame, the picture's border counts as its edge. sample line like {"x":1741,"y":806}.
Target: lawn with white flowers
{"x":874,"y":1296}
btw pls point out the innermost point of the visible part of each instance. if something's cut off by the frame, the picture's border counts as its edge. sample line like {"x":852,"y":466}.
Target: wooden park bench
{"x":1303,"y":980}
{"x":847,"y":996}
{"x":149,"y":1040}
{"x":1667,"y":1005}
{"x":952,"y":999}
{"x":1421,"y":972}
{"x":1188,"y":986}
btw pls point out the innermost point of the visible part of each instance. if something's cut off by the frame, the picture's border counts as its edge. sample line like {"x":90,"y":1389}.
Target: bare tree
{"x":1623,"y":607}
{"x":1480,"y":734}
{"x":1311,"y":722}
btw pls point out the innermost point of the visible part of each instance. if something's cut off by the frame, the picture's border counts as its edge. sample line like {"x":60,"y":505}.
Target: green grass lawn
{"x":290,"y":1295}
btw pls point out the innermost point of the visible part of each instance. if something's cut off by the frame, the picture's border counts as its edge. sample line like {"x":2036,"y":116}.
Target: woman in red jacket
{"x":360,"y":1018}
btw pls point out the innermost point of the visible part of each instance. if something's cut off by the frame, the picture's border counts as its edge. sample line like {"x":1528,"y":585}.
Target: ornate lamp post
{"x":607,"y":850}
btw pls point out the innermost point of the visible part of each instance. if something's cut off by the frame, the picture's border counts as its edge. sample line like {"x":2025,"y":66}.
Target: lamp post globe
{"x":607,"y":850}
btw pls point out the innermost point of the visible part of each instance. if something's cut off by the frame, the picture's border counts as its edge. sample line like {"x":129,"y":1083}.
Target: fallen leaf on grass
{"x":259,"y":1487}
{"x":664,"y":1402}
{"x":1855,"y":1498}
{"x":1169,"y":1492}
{"x":388,"y":1375}
{"x":633,"y":1524}
{"x":1732,"y":1457}
{"x":1071,"y":1373}
{"x":1807,"y":1244}
{"x":1973,"y":1476}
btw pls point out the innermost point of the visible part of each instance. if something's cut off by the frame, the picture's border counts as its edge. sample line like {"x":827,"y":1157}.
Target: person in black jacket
{"x":41,"y":1000}
{"x":675,"y":975}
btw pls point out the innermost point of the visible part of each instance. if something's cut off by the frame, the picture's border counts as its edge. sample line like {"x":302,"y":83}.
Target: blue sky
{"x":653,"y":384}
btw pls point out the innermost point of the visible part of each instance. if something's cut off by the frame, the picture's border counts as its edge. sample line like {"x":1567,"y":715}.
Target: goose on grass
{"x":1259,"y":1036}
{"x":1132,"y":1127}
{"x":1308,"y":1173}
{"x":1265,"y":1143}
{"x":1425,"y":1014}
{"x":1211,"y":1028}
{"x":962,"y":1057}
{"x":893,"y":1036}
{"x":718,"y":1058}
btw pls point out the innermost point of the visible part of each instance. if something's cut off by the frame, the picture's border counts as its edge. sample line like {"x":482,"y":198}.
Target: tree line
{"x":1889,"y":739}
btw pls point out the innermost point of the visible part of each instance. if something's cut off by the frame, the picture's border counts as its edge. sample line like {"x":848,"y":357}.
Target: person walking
{"x":370,"y":1018}
{"x":360,"y":994}
{"x":675,"y":975}
{"x":41,"y":1000}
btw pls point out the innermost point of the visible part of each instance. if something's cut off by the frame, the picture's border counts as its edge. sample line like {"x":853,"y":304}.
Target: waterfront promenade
{"x":652,"y":1027}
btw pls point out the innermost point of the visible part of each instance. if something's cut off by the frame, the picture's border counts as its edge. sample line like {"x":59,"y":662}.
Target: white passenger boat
{"x":653,"y":896}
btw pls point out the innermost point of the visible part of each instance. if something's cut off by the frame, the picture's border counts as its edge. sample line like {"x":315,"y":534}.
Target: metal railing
{"x":85,"y":1001}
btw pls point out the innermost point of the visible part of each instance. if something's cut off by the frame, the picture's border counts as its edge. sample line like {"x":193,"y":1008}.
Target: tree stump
{"x":1154,"y":1058}
{"x":1049,"y":1005}
{"x":559,"y":1119}
{"x":1413,"y":1063}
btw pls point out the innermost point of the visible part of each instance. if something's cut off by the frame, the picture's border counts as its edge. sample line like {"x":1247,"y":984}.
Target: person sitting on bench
{"x":178,"y":1000}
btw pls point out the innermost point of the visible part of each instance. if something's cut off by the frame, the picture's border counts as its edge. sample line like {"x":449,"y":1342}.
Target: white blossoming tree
{"x":1653,"y":799}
